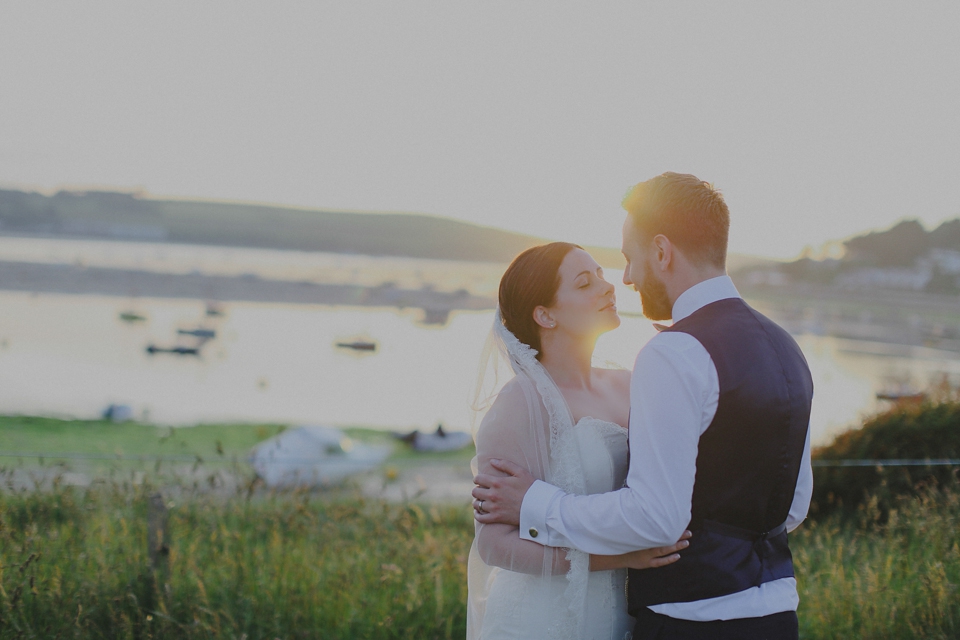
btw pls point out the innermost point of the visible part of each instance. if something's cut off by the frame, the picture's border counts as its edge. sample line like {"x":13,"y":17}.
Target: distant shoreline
{"x":906,"y":318}
{"x":894,"y":317}
{"x":129,"y":283}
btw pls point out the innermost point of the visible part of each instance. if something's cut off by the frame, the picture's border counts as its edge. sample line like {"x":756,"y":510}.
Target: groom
{"x":719,"y":439}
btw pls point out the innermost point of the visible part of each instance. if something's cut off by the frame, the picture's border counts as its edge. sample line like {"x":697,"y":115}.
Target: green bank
{"x":103,"y":445}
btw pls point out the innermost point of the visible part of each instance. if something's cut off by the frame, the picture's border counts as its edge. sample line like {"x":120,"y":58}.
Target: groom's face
{"x":640,"y":274}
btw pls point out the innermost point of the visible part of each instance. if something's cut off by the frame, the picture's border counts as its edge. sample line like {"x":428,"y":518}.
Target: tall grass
{"x":886,"y":573}
{"x":74,"y":563}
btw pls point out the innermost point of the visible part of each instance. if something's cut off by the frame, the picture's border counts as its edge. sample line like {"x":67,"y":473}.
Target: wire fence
{"x":939,"y":462}
{"x":50,"y":455}
{"x":108,"y":456}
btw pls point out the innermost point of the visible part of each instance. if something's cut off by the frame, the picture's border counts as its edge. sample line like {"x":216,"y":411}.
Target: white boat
{"x":312,"y":456}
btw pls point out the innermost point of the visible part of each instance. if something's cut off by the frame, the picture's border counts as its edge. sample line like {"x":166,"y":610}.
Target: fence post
{"x":158,"y":539}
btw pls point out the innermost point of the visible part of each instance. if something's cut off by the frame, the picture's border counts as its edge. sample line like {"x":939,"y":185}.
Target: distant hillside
{"x":902,"y":245}
{"x":125,"y":216}
{"x":903,"y":257}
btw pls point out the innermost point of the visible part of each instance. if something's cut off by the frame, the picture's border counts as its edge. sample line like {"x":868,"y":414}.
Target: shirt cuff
{"x":533,"y":512}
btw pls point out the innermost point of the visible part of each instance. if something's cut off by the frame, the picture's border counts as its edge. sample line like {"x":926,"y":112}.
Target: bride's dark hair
{"x":531,"y":280}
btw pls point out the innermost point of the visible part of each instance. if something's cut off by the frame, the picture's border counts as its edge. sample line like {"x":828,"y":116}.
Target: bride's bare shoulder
{"x":512,"y":399}
{"x":619,"y":378}
{"x":505,"y":429}
{"x":512,"y":391}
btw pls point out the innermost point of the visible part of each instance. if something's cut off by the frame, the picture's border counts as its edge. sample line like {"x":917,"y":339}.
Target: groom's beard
{"x":653,"y":296}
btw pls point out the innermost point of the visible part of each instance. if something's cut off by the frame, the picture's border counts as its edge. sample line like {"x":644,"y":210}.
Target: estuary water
{"x":72,"y":355}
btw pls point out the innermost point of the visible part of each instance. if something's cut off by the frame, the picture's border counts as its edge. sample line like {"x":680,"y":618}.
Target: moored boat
{"x":311,"y":456}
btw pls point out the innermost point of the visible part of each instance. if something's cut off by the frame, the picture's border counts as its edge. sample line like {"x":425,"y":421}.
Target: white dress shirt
{"x":674,"y":393}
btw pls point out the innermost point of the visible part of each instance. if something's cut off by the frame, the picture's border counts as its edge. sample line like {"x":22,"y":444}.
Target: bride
{"x":566,"y":422}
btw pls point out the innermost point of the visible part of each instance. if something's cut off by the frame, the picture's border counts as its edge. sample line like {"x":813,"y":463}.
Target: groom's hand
{"x":498,"y":498}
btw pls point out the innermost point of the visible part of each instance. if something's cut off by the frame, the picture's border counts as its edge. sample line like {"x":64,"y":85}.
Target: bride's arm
{"x":642,"y":559}
{"x":500,"y":545}
{"x":510,"y":431}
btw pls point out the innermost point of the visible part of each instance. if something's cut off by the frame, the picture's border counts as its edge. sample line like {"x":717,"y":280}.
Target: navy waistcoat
{"x":748,"y":460}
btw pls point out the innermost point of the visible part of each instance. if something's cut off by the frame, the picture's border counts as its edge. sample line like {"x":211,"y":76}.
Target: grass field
{"x":75,"y":564}
{"x":74,"y":561}
{"x":30,"y":434}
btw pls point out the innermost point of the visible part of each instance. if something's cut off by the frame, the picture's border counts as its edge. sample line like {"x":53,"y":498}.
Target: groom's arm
{"x":546,"y":508}
{"x":673,"y":397}
{"x":804,"y":491}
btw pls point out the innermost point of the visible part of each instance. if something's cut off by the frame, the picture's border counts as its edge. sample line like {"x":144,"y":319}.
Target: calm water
{"x":72,"y":355}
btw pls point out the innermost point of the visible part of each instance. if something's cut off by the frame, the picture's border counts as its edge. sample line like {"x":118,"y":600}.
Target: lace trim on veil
{"x":566,"y":471}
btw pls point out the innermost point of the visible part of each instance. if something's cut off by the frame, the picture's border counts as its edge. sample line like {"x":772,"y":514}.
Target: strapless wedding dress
{"x":524,"y":607}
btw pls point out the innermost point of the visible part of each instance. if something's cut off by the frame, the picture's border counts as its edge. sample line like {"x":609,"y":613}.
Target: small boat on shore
{"x":902,"y":396}
{"x":118,"y":413}
{"x":312,"y":456}
{"x":900,"y":391}
{"x":439,"y":440}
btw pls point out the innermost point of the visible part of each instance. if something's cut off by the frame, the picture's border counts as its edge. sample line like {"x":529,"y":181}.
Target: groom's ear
{"x":663,"y":250}
{"x":541,"y":315}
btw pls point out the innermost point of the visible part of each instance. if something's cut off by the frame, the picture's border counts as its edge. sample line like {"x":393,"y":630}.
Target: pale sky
{"x":817,"y":120}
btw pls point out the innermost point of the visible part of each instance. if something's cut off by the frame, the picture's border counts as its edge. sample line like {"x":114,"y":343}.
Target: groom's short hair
{"x":685,"y":209}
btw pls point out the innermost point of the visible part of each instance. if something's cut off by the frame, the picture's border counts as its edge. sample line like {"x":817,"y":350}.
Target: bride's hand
{"x":657,"y":557}
{"x":642,"y":559}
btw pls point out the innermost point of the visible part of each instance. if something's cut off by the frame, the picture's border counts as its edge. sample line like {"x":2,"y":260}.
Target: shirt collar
{"x":702,"y":294}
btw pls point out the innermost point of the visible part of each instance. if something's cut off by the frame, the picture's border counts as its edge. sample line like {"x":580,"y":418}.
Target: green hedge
{"x":916,"y":432}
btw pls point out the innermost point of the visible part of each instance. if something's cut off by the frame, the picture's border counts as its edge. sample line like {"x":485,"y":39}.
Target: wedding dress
{"x":520,"y":589}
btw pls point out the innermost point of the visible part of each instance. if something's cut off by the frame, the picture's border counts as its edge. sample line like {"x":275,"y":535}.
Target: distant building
{"x":946,"y":260}
{"x":892,"y":278}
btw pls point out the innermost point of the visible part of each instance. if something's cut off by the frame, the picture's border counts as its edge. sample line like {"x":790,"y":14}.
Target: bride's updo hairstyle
{"x":531,"y":280}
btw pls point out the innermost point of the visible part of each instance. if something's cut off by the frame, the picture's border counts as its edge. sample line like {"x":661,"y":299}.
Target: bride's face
{"x":586,"y":304}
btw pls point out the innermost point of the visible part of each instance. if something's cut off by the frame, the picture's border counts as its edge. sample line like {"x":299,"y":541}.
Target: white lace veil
{"x":521,"y":416}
